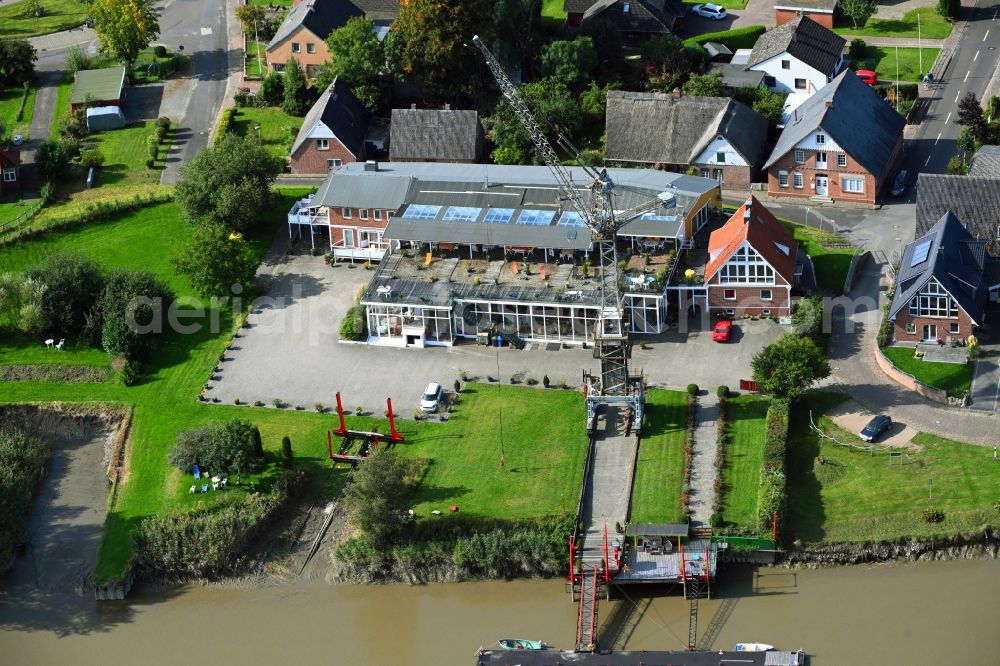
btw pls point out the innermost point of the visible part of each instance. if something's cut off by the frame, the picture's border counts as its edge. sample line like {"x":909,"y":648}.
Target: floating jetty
{"x":638,"y":658}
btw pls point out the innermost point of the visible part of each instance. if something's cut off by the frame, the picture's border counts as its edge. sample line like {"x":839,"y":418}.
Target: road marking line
{"x":986,"y":35}
{"x":957,"y":95}
{"x":937,"y":139}
{"x":928,"y":160}
{"x":967,"y":76}
{"x":975,"y":57}
{"x":948,"y":118}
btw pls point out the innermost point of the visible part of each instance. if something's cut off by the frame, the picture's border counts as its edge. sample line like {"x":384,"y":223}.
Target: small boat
{"x":521,"y":644}
{"x":753,"y":647}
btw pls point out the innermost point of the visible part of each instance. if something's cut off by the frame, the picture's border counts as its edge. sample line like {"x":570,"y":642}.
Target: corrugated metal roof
{"x":388,"y":193}
{"x":521,"y":235}
{"x":98,"y":84}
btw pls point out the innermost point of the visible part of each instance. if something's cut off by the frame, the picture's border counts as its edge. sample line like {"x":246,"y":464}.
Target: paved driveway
{"x":985,"y":393}
{"x":292,"y":352}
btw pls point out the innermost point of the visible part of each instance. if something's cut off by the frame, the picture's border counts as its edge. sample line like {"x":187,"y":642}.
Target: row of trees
{"x":69,"y":296}
{"x":22,"y":465}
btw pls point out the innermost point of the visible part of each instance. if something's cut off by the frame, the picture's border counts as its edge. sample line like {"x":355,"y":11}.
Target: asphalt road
{"x":972,"y":64}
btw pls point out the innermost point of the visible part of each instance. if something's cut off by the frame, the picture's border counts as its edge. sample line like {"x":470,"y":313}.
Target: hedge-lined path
{"x":703,"y":470}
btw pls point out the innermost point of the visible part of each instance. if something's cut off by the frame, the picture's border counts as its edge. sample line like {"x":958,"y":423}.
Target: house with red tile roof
{"x":753,"y":264}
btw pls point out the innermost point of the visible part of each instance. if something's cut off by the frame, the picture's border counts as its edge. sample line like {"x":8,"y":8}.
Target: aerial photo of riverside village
{"x":500,"y":332}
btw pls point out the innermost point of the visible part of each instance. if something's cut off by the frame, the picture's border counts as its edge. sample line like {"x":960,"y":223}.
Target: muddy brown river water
{"x":926,"y":613}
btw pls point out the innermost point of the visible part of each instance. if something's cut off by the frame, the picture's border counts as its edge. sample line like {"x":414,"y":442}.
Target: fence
{"x":745,"y":543}
{"x":907,"y":380}
{"x":21,"y":219}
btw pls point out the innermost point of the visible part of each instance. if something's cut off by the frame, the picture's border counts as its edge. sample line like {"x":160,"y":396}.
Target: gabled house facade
{"x":974,"y":200}
{"x":303,"y":33}
{"x":636,"y":20}
{"x":435,"y":135}
{"x":722,"y":138}
{"x":798,"y":56}
{"x":10,"y":171}
{"x":332,"y":133}
{"x":843,"y":144}
{"x":753,"y":264}
{"x":940,"y":290}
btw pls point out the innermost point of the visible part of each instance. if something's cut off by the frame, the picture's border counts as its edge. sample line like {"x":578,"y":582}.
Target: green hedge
{"x":354,"y":324}
{"x":22,"y":466}
{"x":907,"y":91}
{"x":226,"y":122}
{"x":771,"y":489}
{"x":737,"y":38}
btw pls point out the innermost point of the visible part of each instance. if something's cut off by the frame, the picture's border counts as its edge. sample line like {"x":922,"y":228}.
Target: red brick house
{"x":10,"y":171}
{"x":636,"y":20}
{"x":843,"y":144}
{"x":332,"y":133}
{"x":940,"y":293}
{"x":753,"y":264}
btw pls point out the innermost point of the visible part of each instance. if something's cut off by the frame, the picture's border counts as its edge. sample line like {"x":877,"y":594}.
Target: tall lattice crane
{"x":611,"y":335}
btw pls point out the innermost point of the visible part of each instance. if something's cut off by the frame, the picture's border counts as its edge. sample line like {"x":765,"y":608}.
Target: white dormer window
{"x":820,"y":139}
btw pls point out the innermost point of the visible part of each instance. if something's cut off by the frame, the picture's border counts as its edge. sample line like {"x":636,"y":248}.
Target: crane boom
{"x":611,"y":334}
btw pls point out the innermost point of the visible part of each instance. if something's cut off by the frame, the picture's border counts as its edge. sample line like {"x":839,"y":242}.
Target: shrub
{"x":77,"y":59}
{"x":737,"y":38}
{"x":272,"y":89}
{"x":277,"y":403}
{"x":73,"y":283}
{"x":286,"y":452}
{"x":130,"y":373}
{"x":163,"y":122}
{"x":531,"y":381}
{"x":545,"y":381}
{"x":319,"y":407}
{"x":353,"y":326}
{"x":130,"y":301}
{"x":458,"y":386}
{"x":160,"y":51}
{"x":771,"y":487}
{"x":692,"y":389}
{"x":51,"y":159}
{"x":258,"y":443}
{"x":856,"y":51}
{"x":226,"y":447}
{"x":188,"y":446}
{"x":22,"y":465}
{"x":225,"y":122}
{"x":258,"y":403}
{"x":932,"y":515}
{"x":722,"y":392}
{"x":47,"y":194}
{"x":91,"y":158}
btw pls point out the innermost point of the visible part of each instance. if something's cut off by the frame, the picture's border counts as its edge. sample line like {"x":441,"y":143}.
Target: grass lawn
{"x":277,"y":128}
{"x":544,"y":443}
{"x":10,"y":102}
{"x":953,"y":378}
{"x":125,"y":155}
{"x":743,"y":460}
{"x":858,"y":497}
{"x":59,"y":15}
{"x":61,"y":108}
{"x":883,"y":61}
{"x":10,"y":210}
{"x":266,"y":3}
{"x":165,"y":66}
{"x":256,"y":66}
{"x":831,"y":264}
{"x":553,"y":16}
{"x":660,"y":469}
{"x":932,"y":26}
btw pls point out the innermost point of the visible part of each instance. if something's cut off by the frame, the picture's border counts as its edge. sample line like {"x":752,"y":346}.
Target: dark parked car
{"x":875,"y":428}
{"x":899,"y":184}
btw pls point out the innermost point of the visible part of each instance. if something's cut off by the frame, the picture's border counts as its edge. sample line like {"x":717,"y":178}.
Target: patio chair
{"x":61,"y":344}
{"x":192,"y":490}
{"x":50,"y":342}
{"x":224,"y":483}
{"x":197,"y":473}
{"x":215,"y":485}
{"x":204,"y":487}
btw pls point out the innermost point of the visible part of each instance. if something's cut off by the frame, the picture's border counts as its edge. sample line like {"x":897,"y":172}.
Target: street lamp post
{"x":256,"y":40}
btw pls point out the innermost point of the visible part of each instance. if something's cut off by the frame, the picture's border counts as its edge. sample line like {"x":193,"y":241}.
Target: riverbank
{"x":982,"y":545}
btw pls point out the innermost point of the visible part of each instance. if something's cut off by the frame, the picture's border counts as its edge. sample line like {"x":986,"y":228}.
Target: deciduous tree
{"x":669,"y":62}
{"x":215,"y":260}
{"x":130,"y":302}
{"x":377,"y":498}
{"x":970,"y":114}
{"x":434,"y":37}
{"x":789,"y":365}
{"x":124,"y":27}
{"x":607,"y":40}
{"x":252,"y":17}
{"x":859,"y":11}
{"x":769,"y":104}
{"x":229,"y":183}
{"x":73,"y":283}
{"x":571,"y":62}
{"x":553,"y":106}
{"x":704,"y":85}
{"x":357,"y":58}
{"x":17,"y":61}
{"x":294,"y":84}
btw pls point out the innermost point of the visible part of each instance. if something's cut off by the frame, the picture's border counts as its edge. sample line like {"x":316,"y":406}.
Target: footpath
{"x":703,"y":470}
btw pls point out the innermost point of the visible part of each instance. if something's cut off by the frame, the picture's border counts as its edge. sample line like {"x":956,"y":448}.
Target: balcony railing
{"x":301,"y":214}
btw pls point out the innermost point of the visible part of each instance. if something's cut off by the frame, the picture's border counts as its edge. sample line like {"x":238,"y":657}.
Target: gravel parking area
{"x":291,"y":351}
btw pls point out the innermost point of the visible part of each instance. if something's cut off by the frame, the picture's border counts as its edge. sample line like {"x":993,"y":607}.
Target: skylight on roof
{"x":498,"y":216}
{"x":920,"y":253}
{"x":536,"y":217}
{"x":421,"y":212}
{"x":461,"y":214}
{"x":570,"y":219}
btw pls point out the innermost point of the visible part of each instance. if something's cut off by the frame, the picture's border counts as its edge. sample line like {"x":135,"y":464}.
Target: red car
{"x":722,"y":330}
{"x":867,"y":76}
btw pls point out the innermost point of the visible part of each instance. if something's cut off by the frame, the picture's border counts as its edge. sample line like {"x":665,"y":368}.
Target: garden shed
{"x":105,"y":118}
{"x":98,"y":87}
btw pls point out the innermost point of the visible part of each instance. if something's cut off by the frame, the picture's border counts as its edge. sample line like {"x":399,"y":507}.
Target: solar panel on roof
{"x":570,"y":219}
{"x":920,"y":253}
{"x":498,"y":216}
{"x":421,"y":212}
{"x":461,"y":214}
{"x":536,"y":217}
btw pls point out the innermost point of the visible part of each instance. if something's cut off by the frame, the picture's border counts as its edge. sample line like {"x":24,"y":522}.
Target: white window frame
{"x":726,"y":296}
{"x":805,"y":84}
{"x":745,"y":267}
{"x":933,"y":300}
{"x":765,"y":312}
{"x":362,"y":213}
{"x":331,"y":163}
{"x":730,"y":312}
{"x":798,"y":182}
{"x":800,"y":156}
{"x":842,"y":160}
{"x":821,"y":163}
{"x":954,"y":328}
{"x":852,"y":185}
{"x":322,"y":144}
{"x":9,"y":174}
{"x":377,"y":213}
{"x":770,"y":294}
{"x":353,"y":238}
{"x":345,"y":213}
{"x":820,"y":139}
{"x":911,"y":328}
{"x":310,"y":48}
{"x":782,"y":179}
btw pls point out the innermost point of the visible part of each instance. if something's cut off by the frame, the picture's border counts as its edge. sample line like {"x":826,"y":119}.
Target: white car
{"x":710,"y":11}
{"x":431,"y":398}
